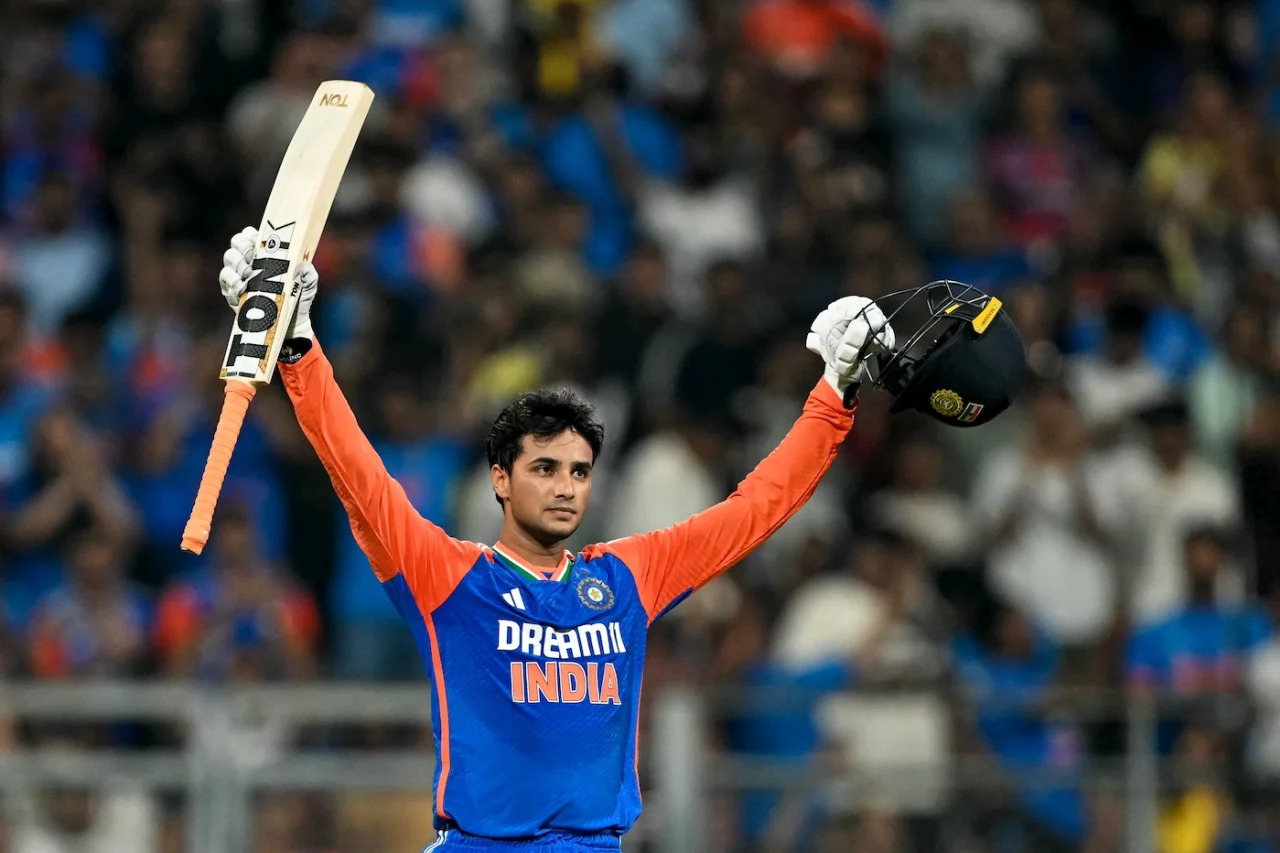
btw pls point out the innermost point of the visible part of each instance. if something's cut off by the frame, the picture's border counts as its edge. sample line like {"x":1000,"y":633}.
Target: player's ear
{"x":501,"y":481}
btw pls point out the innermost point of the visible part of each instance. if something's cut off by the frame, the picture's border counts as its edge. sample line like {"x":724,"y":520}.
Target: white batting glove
{"x":846,"y":334}
{"x":237,"y":269}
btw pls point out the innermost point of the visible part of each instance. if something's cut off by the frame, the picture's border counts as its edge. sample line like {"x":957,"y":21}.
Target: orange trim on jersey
{"x":438,"y":669}
{"x":636,"y":759}
{"x":670,"y":562}
{"x":395,"y":538}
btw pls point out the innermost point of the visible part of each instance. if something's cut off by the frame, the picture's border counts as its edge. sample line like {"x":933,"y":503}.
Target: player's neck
{"x":523,"y":547}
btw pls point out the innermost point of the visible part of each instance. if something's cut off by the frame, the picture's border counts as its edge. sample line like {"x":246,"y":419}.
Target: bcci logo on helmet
{"x":946,"y":403}
{"x":595,"y":593}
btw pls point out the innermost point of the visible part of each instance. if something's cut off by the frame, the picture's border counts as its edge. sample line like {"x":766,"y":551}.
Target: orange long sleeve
{"x":672,"y":562}
{"x":394,"y":536}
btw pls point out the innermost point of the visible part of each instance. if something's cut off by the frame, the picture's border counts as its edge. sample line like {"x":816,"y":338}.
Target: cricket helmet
{"x":963,"y":364}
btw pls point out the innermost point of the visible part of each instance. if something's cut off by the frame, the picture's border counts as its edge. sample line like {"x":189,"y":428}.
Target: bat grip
{"x":234,"y":406}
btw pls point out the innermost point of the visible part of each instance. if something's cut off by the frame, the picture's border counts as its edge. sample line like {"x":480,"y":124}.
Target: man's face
{"x":1171,"y":442}
{"x":235,"y":543}
{"x":547,"y":491}
{"x":94,"y":561}
{"x":1204,"y":562}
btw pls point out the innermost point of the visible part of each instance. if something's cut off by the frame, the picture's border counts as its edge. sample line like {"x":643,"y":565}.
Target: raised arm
{"x":398,"y":541}
{"x":670,"y":563}
{"x":395,"y":537}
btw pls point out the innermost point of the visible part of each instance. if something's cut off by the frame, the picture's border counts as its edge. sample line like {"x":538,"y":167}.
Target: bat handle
{"x":234,"y":406}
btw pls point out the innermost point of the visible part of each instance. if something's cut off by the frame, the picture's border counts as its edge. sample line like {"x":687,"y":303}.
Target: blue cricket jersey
{"x":537,"y":681}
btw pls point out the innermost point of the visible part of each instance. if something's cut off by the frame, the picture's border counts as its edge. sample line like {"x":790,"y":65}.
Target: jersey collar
{"x":512,"y":562}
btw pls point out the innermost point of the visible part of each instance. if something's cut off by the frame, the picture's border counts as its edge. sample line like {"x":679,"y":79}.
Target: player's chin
{"x":562,"y":524}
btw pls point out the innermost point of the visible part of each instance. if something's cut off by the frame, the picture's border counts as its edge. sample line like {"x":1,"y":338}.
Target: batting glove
{"x":237,"y":269}
{"x":845,"y":334}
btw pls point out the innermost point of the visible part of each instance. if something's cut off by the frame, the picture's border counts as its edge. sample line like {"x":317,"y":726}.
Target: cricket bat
{"x":296,"y":211}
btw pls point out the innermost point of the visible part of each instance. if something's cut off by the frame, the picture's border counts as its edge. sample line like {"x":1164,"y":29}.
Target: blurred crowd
{"x":649,"y":200}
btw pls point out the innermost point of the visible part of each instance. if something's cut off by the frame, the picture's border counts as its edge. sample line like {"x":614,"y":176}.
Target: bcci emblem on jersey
{"x":595,"y":593}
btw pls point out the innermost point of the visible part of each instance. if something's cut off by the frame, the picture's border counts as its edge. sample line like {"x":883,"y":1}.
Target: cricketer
{"x":535,"y":655}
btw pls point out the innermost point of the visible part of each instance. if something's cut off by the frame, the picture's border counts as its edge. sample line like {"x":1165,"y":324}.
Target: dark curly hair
{"x":544,"y":413}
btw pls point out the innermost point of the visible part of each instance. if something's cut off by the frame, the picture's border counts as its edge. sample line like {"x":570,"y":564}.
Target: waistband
{"x":564,"y":840}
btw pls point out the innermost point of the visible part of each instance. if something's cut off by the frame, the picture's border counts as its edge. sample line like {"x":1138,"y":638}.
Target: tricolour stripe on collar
{"x":561,"y":573}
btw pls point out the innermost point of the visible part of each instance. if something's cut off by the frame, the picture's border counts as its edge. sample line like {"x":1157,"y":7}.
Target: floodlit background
{"x":1052,"y":633}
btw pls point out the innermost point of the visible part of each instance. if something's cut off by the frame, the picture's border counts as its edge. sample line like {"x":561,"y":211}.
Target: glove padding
{"x":237,"y":269}
{"x":845,"y":334}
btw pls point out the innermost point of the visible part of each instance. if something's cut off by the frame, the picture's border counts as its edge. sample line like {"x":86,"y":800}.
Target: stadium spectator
{"x":1171,"y":337}
{"x":935,"y":114}
{"x":1036,"y":170}
{"x":885,"y":608}
{"x":98,"y":624}
{"x":1112,"y":386}
{"x":710,"y":216}
{"x":636,"y":310}
{"x":550,"y":275}
{"x":240,"y":619}
{"x":917,"y":504}
{"x":74,"y":819}
{"x":69,"y":488}
{"x":1202,"y":648}
{"x":845,"y":145}
{"x":997,"y":31}
{"x":1008,"y":669}
{"x":1224,"y":391}
{"x":66,"y":817}
{"x":979,"y":254}
{"x":1044,"y":507}
{"x":723,"y":352}
{"x":1195,"y":818}
{"x":1180,"y":170}
{"x":788,"y":731}
{"x":600,"y":153}
{"x":1163,"y":490}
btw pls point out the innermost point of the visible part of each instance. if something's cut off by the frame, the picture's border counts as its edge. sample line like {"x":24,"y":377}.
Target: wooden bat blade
{"x":294,"y":218}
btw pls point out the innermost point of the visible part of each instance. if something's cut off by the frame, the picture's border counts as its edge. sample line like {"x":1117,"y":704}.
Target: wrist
{"x":294,"y":348}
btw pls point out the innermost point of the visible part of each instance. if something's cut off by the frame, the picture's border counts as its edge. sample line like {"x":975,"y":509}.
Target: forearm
{"x":112,"y":510}
{"x":784,"y":480}
{"x":376,"y":504}
{"x":685,"y":556}
{"x":41,"y":517}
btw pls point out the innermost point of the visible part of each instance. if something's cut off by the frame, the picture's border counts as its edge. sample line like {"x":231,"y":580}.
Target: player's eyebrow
{"x":555,"y":463}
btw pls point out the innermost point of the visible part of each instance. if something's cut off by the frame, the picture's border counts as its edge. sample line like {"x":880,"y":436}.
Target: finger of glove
{"x":831,"y":327}
{"x":878,"y":331}
{"x":246,"y":242}
{"x":849,"y":306}
{"x":236,"y":260}
{"x":846,"y":357}
{"x":233,"y":286}
{"x":814,"y":344}
{"x":886,"y":338}
{"x":306,"y":277}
